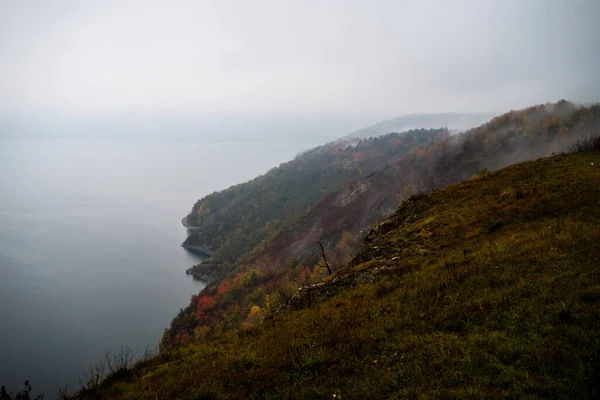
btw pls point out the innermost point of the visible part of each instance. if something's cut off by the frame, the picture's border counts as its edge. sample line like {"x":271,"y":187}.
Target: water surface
{"x":90,"y":233}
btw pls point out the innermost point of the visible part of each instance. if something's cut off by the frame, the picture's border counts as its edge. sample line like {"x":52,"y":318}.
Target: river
{"x":90,"y":233}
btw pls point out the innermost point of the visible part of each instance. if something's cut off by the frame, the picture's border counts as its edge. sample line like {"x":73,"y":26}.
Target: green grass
{"x":485,"y":289}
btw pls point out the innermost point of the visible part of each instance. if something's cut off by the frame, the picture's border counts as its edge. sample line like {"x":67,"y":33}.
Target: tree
{"x":203,"y":305}
{"x":224,"y":287}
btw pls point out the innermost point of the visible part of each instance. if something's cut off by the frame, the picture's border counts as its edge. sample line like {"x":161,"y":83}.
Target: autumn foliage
{"x":204,"y":304}
{"x":223,"y":287}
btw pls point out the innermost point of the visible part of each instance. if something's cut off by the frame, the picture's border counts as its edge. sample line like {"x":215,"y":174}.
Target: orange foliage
{"x":203,"y":305}
{"x":224,"y":287}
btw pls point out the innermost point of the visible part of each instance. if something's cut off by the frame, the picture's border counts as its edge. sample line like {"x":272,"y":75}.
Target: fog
{"x":309,"y":128}
{"x":325,"y":68}
{"x":117,"y":115}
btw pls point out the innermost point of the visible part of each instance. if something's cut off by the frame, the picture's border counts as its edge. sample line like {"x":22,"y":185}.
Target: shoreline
{"x":199,"y":249}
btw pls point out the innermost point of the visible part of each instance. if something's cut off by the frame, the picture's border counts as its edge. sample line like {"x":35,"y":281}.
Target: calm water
{"x":90,"y":256}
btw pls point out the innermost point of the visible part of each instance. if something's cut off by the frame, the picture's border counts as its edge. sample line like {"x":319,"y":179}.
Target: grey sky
{"x":245,"y":57}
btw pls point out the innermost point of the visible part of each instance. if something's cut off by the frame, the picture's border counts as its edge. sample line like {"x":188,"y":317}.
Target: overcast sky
{"x":257,"y":57}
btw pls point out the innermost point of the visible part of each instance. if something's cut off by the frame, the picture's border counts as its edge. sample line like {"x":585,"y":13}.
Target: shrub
{"x":587,"y":145}
{"x":24,"y":395}
{"x":482,"y":171}
{"x":494,"y":226}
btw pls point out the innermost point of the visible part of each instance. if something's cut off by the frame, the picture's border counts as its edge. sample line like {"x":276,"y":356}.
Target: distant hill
{"x":484,"y":289}
{"x":453,"y":121}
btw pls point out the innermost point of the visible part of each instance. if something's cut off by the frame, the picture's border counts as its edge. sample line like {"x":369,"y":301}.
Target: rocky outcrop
{"x":206,"y":272}
{"x":186,"y":222}
{"x":204,"y":250}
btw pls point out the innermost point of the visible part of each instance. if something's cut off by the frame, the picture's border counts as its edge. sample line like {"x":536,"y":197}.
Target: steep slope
{"x":235,"y":220}
{"x":485,"y":289}
{"x":266,"y":276}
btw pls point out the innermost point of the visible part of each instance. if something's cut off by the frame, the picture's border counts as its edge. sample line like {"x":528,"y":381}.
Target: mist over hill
{"x":287,"y":253}
{"x":277,"y":127}
{"x":379,"y":199}
{"x":453,"y":121}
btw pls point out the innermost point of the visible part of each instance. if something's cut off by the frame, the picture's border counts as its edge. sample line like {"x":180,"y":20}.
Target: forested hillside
{"x":485,"y":289}
{"x":266,"y":276}
{"x":235,"y":220}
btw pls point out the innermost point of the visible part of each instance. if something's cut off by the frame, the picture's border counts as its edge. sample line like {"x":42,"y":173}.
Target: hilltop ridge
{"x":453,"y":121}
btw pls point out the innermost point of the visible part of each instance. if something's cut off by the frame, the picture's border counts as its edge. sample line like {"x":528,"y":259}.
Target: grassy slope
{"x":488,"y":288}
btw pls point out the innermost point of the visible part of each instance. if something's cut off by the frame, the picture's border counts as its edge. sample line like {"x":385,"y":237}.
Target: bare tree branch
{"x":324,"y":258}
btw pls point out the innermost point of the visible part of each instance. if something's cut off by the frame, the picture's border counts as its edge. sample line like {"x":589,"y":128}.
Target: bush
{"x":588,"y":145}
{"x":24,"y":395}
{"x":482,"y":171}
{"x":495,"y":226}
